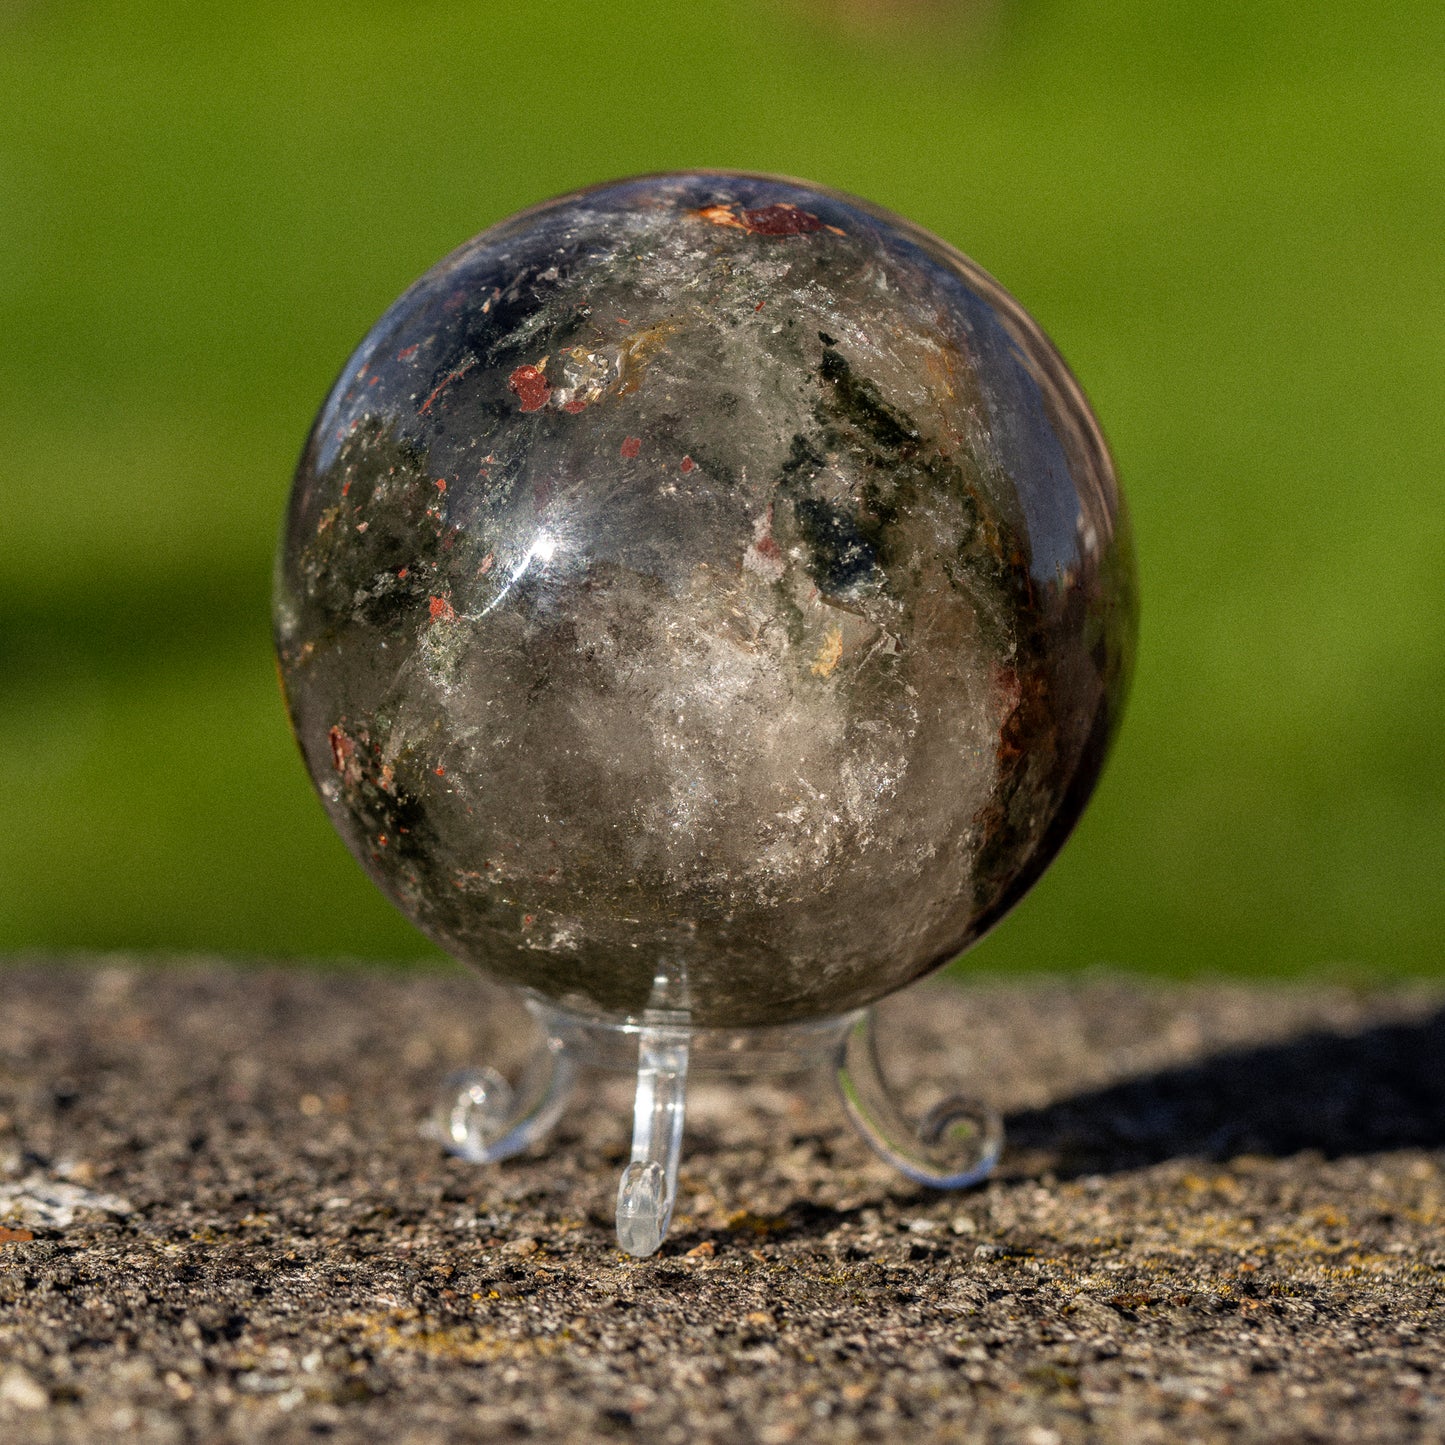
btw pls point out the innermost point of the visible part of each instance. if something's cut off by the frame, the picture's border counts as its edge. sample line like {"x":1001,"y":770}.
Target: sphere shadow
{"x":1324,"y":1093}
{"x":1335,"y":1094}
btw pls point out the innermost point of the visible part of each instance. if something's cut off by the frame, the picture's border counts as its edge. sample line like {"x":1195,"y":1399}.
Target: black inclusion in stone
{"x":841,"y":558}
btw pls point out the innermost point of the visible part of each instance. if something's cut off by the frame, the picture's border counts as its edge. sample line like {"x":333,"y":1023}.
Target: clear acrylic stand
{"x":481,"y":1117}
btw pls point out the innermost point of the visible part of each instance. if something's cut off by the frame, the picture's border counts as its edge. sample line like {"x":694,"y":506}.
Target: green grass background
{"x":1231,"y":217}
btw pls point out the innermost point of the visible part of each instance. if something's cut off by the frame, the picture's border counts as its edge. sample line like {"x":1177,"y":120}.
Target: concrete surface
{"x":1219,"y":1219}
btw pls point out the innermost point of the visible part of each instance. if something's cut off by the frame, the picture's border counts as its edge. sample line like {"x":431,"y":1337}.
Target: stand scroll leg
{"x":648,"y":1187}
{"x":955,"y":1144}
{"x":481,"y":1118}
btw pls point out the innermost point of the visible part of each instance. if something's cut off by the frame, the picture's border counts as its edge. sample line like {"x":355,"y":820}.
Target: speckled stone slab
{"x":1219,"y":1220}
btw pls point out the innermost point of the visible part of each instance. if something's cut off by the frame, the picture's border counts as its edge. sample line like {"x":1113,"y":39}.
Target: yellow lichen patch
{"x":744,"y":1219}
{"x":406,"y":1333}
{"x":829,"y":653}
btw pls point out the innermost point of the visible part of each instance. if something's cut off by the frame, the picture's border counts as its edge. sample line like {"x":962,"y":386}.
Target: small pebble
{"x":22,"y":1390}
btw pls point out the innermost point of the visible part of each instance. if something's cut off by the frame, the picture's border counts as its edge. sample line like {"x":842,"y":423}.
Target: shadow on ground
{"x":1336,"y":1094}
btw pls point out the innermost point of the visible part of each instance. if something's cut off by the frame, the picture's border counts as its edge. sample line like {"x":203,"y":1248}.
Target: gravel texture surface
{"x":1219,"y":1219}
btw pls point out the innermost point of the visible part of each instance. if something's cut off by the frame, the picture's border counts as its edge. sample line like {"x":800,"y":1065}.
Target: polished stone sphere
{"x":706,"y":574}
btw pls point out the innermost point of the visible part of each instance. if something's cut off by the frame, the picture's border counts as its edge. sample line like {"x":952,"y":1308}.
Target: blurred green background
{"x":1231,"y":217}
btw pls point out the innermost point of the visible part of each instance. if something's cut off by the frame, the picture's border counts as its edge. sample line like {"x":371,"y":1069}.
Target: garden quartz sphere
{"x":709,"y":574}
